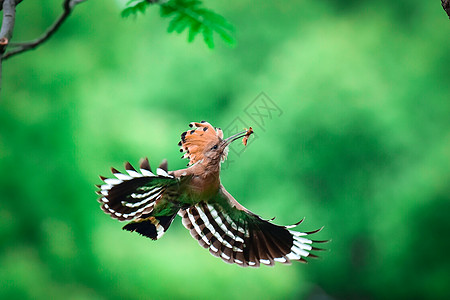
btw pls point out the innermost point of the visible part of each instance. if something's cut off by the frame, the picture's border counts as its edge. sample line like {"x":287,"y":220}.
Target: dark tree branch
{"x":68,"y":6}
{"x":6,"y":31}
{"x":1,"y":3}
{"x":446,"y":6}
{"x":9,"y":17}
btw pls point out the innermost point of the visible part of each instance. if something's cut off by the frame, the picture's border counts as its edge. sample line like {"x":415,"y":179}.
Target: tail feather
{"x":151,"y":227}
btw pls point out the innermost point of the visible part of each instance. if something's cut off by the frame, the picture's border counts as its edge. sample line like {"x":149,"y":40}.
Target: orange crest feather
{"x":194,"y":142}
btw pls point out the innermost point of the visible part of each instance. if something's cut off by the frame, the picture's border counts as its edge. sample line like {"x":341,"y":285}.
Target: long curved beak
{"x":234,"y":137}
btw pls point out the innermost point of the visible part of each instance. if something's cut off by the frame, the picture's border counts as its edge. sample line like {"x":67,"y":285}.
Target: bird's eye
{"x":214,"y":147}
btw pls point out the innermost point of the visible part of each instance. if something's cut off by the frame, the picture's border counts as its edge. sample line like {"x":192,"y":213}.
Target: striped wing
{"x":238,"y":236}
{"x":131,"y":195}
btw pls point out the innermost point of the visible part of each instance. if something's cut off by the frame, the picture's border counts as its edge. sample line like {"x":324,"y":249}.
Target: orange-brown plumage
{"x":196,"y":141}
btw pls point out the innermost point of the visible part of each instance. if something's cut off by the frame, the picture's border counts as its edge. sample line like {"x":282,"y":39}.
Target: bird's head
{"x":205,"y":143}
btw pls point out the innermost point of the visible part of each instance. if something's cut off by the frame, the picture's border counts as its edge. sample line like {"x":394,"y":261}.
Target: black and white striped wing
{"x":129,"y":196}
{"x":240,"y":237}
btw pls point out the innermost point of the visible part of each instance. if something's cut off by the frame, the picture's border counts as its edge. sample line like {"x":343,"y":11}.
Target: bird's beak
{"x":237,"y":136}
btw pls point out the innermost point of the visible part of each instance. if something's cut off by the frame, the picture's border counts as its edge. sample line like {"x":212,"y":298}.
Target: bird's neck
{"x":205,"y":179}
{"x":211,"y":167}
{"x":208,"y":173}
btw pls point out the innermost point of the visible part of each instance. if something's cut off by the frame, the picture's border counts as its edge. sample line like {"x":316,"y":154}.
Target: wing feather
{"x":129,"y":196}
{"x":236,"y":235}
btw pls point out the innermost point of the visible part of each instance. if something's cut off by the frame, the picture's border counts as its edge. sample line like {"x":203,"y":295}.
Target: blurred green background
{"x":362,"y":146}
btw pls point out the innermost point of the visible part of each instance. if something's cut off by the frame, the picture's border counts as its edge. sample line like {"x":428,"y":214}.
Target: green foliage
{"x":135,"y":7}
{"x":191,"y":15}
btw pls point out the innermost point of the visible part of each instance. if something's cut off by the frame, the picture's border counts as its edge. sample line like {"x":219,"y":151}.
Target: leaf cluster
{"x":188,"y":15}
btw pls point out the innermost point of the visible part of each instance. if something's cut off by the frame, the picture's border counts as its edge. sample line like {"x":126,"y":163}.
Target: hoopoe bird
{"x":213,"y":217}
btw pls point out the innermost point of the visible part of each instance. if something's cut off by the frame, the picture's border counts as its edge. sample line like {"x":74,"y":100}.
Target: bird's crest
{"x":194,"y":142}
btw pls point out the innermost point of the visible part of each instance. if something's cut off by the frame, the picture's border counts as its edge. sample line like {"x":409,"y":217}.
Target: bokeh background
{"x":360,"y":144}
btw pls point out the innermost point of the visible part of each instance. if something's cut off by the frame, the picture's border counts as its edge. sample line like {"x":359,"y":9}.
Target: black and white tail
{"x":149,"y":226}
{"x":244,"y":238}
{"x":129,"y":196}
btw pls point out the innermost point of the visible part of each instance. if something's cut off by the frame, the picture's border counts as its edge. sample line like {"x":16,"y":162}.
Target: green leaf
{"x":227,"y":37}
{"x":166,"y":10}
{"x":208,"y":37}
{"x":191,"y":15}
{"x":135,"y":7}
{"x":182,"y":24}
{"x":193,"y":31}
{"x":174,"y":23}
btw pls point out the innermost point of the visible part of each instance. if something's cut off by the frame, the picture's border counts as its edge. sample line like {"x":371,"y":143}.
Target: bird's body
{"x":219,"y":223}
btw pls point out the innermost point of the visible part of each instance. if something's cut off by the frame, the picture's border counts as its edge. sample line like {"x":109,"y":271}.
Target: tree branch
{"x":6,"y":31}
{"x":1,"y":3}
{"x":9,"y":17}
{"x":446,"y":6}
{"x":68,"y":6}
